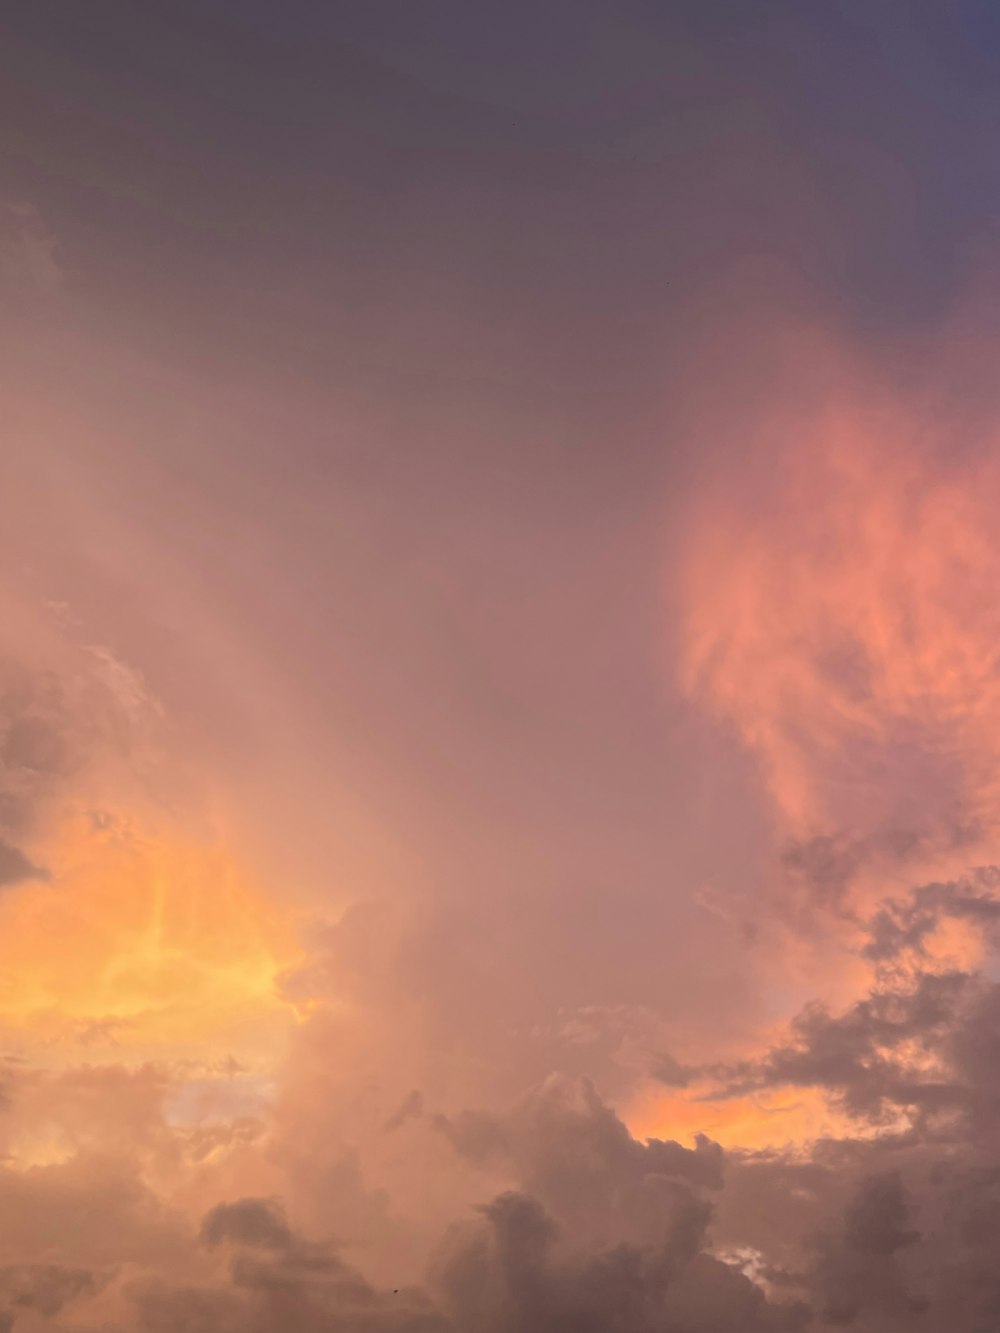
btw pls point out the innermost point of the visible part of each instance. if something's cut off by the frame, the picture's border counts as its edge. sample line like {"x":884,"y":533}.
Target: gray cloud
{"x":257,"y":1222}
{"x":276,"y":1279}
{"x":45,"y":1288}
{"x":571,"y":1151}
{"x":15,"y":866}
{"x":509,"y":1273}
{"x":824,"y":865}
{"x":671,"y":1072}
{"x":903,"y":924}
{"x":856,"y":1055}
{"x":370,"y":402}
{"x":603,"y":1232}
{"x":858,"y":1268}
{"x":600,"y":1232}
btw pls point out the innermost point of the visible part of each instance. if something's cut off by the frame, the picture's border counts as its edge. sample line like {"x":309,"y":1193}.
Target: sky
{"x":499,"y":667}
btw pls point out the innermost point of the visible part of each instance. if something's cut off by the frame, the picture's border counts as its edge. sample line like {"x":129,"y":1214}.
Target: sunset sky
{"x":500,"y":678}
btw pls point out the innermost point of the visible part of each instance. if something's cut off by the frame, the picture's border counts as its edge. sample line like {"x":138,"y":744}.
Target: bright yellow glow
{"x":142,"y":943}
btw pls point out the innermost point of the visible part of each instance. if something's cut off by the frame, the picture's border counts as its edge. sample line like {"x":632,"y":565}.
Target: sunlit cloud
{"x":846,"y":625}
{"x":142,"y":944}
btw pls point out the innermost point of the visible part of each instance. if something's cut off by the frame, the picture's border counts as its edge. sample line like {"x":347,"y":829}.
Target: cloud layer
{"x":499,"y":705}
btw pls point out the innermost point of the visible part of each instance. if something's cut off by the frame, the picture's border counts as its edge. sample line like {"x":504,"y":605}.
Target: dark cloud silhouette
{"x":904,"y":924}
{"x":857,"y":1269}
{"x":824,"y":865}
{"x":46,"y":1288}
{"x":602,"y":1233}
{"x":509,"y":1273}
{"x":856,"y":1055}
{"x":276,"y":1279}
{"x":411,"y":1108}
{"x":15,"y":866}
{"x":256,"y":1222}
{"x":598,"y":1231}
{"x":671,"y":1072}
{"x":65,"y":714}
{"x":571,"y":1151}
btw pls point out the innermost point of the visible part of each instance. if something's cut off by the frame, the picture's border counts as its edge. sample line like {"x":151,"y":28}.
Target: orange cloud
{"x":847,"y":624}
{"x":840,"y":611}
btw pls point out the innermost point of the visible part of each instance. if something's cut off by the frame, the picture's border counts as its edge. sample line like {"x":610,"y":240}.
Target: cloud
{"x":857,"y":1269}
{"x":549,"y":1214}
{"x":669,"y":1071}
{"x":839,"y":613}
{"x":582,"y":1225}
{"x":276,"y":1279}
{"x":838,"y":595}
{"x":76,"y":727}
{"x":44,"y":1287}
{"x":604,"y":1231}
{"x":600,"y":1232}
{"x":411,"y":1108}
{"x":868,"y":1056}
{"x":907,"y":925}
{"x":49,"y":1210}
{"x":563,"y":1147}
{"x":15,"y":866}
{"x":42,"y":741}
{"x":257,"y":1222}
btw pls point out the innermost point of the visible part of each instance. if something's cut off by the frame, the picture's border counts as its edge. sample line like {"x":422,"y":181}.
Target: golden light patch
{"x":954,"y":945}
{"x":778,"y":1119}
{"x":144,"y":943}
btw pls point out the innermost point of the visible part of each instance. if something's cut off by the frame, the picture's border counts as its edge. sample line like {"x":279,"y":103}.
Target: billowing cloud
{"x":391,"y":939}
{"x":845,"y":623}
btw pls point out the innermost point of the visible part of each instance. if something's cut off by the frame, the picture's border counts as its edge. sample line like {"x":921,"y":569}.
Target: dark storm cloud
{"x":257,"y":1222}
{"x":884,"y":1235}
{"x":893,"y":1229}
{"x":920,"y":1040}
{"x":507,"y":1274}
{"x":575,"y":1154}
{"x":604,"y":1232}
{"x":613,"y":1235}
{"x":598,"y":1231}
{"x":857,"y":1268}
{"x":880,"y":1233}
